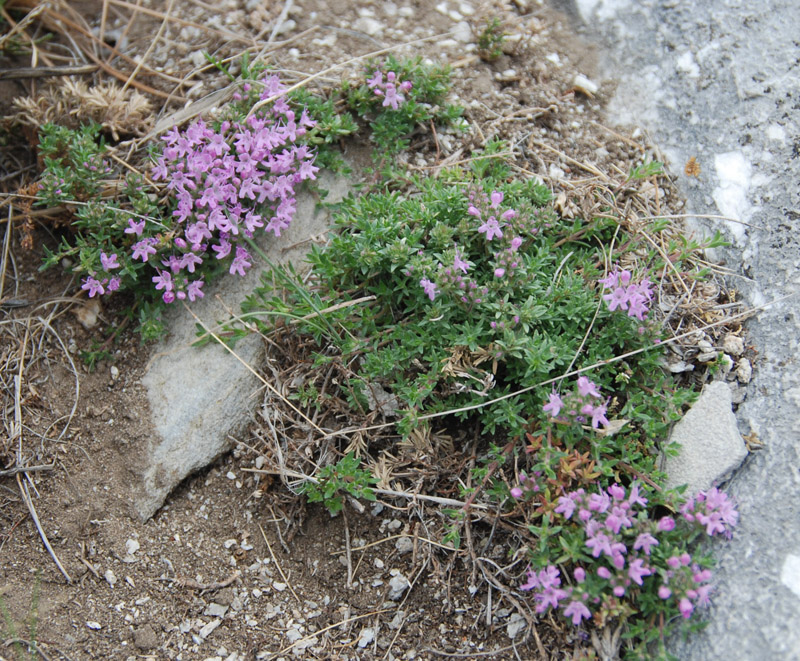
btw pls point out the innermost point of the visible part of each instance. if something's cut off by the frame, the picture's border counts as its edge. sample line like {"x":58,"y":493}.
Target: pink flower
{"x":491,"y":228}
{"x":134,"y":227}
{"x":665,"y":524}
{"x":577,"y":611}
{"x":566,"y":506}
{"x":459,"y":263}
{"x":645,"y":541}
{"x":109,"y":263}
{"x":599,"y":416}
{"x":516,"y":492}
{"x":586,"y":387}
{"x":497,"y":198}
{"x":429,"y":288}
{"x":554,"y":405}
{"x":240,"y":263}
{"x":664,"y":592}
{"x":193,"y":290}
{"x":636,"y":570}
{"x":93,"y":286}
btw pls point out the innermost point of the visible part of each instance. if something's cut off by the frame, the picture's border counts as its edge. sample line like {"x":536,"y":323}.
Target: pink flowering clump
{"x":227,"y":182}
{"x":97,"y":284}
{"x":713,"y":511}
{"x":635,"y":298}
{"x":390,"y":88}
{"x":629,"y":552}
{"x":584,"y":405}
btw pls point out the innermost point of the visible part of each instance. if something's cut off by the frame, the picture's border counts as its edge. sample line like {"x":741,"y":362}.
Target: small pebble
{"x":744,"y":372}
{"x":733,"y":344}
{"x":366,"y":637}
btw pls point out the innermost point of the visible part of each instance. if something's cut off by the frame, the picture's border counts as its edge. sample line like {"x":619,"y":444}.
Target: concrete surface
{"x":720,"y":80}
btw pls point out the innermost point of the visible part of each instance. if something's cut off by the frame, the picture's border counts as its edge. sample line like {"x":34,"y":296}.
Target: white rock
{"x":790,"y":573}
{"x":516,"y":625}
{"x":293,"y":635}
{"x":215,"y":610}
{"x":131,"y":546}
{"x":711,"y":446}
{"x":111,"y":579}
{"x":114,"y":372}
{"x":370,"y":26}
{"x":583,"y":84}
{"x":404,"y":545}
{"x":94,"y":625}
{"x":279,"y":587}
{"x":744,"y":372}
{"x":287,"y":26}
{"x":397,"y":620}
{"x":686,"y":64}
{"x":198,"y":59}
{"x":733,"y":344}
{"x":463,"y":33}
{"x":206,"y":631}
{"x":397,"y":586}
{"x":366,"y":637}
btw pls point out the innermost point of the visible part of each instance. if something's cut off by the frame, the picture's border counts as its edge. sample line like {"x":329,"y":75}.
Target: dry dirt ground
{"x":233,"y":567}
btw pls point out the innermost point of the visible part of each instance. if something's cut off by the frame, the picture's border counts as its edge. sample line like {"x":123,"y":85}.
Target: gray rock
{"x":733,"y":344}
{"x":215,"y":610}
{"x":404,"y":545}
{"x":199,"y":395}
{"x":711,"y":446}
{"x":398,"y":584}
{"x":145,"y":638}
{"x":744,"y":372}
{"x":516,"y":625}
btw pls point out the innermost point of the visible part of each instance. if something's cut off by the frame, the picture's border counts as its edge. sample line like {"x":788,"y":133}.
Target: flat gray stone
{"x":711,"y":446}
{"x":200,"y":396}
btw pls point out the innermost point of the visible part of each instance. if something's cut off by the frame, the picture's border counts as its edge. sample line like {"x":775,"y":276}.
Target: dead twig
{"x":26,"y":469}
{"x":191,"y":584}
{"x":278,"y":565}
{"x":22,"y":73}
{"x":26,"y":497}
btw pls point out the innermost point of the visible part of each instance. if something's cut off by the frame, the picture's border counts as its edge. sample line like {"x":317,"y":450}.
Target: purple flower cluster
{"x":582,"y":405}
{"x":617,"y":533}
{"x":228,"y":183}
{"x":392,"y":90}
{"x":713,"y":510}
{"x":491,"y":226}
{"x":106,"y":282}
{"x":492,"y":222}
{"x":633,"y":297}
{"x":527,"y":485}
